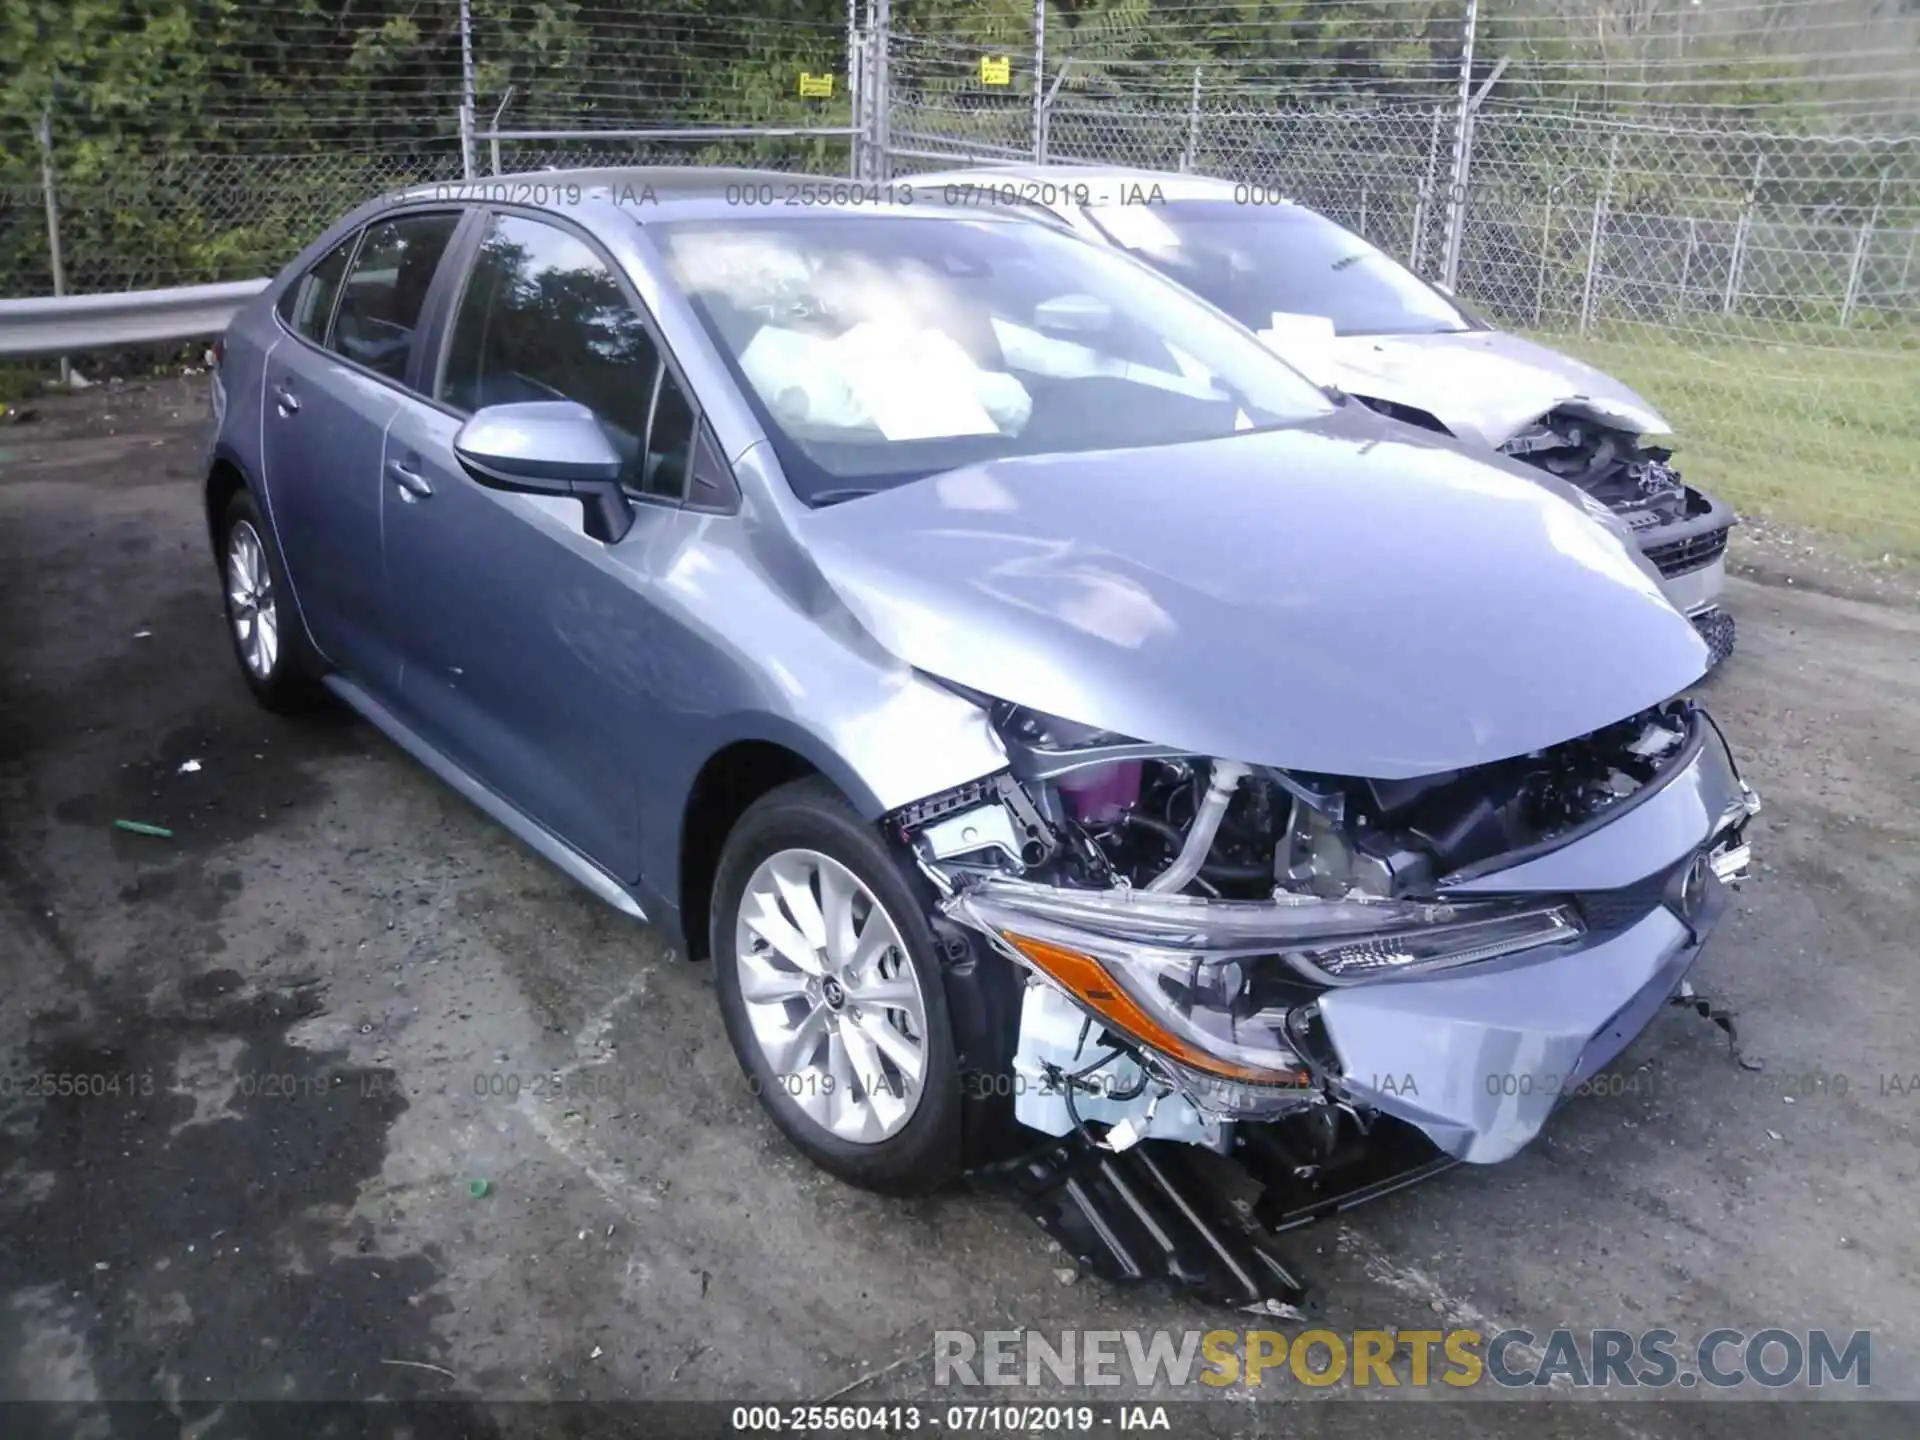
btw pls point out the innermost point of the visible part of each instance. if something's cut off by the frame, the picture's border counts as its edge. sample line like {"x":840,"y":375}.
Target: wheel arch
{"x":226,"y":477}
{"x":730,"y":780}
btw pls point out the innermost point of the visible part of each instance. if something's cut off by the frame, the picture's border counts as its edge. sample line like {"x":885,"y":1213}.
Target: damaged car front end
{"x":1346,"y":984}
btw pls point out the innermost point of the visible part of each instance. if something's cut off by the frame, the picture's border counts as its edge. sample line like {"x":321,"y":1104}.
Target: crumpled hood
{"x":1343,"y":597}
{"x":1484,"y":385}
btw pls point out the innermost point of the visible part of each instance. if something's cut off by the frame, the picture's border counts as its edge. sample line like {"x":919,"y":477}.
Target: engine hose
{"x":1226,"y":778}
{"x":1213,"y":869}
{"x":1223,"y":870}
{"x":1161,"y":828}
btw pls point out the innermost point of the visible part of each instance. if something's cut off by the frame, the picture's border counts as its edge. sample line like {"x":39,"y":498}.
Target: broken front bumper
{"x":1690,"y":554}
{"x":1477,"y":1061}
{"x":1478,"y":1054}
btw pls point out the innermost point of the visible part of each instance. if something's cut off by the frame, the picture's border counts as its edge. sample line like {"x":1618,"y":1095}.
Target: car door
{"x":331,"y":390}
{"x":523,"y":638}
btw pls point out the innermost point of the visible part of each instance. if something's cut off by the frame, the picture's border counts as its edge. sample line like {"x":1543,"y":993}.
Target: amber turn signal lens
{"x":1087,"y":980}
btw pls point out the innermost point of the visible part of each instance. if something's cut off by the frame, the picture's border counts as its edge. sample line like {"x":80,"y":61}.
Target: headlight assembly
{"x":1193,"y":1010}
{"x":1210,"y":984}
{"x":1436,"y":947}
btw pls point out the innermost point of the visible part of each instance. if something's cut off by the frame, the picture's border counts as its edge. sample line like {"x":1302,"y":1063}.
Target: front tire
{"x":831,"y":993}
{"x":265,"y":633}
{"x":1717,"y":628}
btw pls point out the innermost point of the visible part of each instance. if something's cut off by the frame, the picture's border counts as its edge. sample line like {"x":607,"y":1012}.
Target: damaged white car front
{"x":1229,"y":954}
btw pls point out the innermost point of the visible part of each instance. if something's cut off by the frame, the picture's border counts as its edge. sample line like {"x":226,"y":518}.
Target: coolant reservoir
{"x":1099,"y":793}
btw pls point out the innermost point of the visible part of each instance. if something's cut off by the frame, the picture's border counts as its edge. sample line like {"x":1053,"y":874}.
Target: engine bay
{"x":1089,"y":811}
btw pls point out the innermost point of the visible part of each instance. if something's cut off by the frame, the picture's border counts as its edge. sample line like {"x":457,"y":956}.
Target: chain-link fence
{"x":1745,"y":254}
{"x":136,"y":154}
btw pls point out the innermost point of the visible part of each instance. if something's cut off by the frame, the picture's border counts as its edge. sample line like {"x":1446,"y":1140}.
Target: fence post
{"x":1417,"y":252}
{"x":1596,"y":238}
{"x":1686,"y":269}
{"x":1040,"y":81}
{"x":1540,"y":278}
{"x":493,"y":131}
{"x":1737,"y":262}
{"x":1857,"y":269}
{"x":466,"y":91}
{"x":1852,"y":297}
{"x":1463,"y":123}
{"x":855,"y":160}
{"x":44,"y":133}
{"x":1193,"y":126}
{"x":881,"y":37}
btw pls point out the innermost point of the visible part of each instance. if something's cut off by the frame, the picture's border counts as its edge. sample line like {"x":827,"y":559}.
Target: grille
{"x":1677,"y":557}
{"x":1630,"y":904}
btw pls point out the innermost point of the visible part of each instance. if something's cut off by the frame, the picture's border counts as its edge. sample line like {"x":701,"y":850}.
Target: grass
{"x":20,"y":383}
{"x":1821,"y":435}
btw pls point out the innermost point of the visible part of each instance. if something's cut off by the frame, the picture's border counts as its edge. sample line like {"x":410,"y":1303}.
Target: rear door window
{"x":307,"y":305}
{"x":386,"y":290}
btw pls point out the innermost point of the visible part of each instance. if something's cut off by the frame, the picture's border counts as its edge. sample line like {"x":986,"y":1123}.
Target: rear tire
{"x":830,"y":990}
{"x":274,"y":658}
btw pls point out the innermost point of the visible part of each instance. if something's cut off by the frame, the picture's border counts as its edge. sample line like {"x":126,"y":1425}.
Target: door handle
{"x":413,"y":485}
{"x":286,"y":401}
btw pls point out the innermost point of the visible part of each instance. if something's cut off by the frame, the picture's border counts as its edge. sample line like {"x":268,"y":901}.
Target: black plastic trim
{"x":1689,"y":752}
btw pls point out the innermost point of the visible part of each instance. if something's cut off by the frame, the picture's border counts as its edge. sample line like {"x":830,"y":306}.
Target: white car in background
{"x":1350,"y":317}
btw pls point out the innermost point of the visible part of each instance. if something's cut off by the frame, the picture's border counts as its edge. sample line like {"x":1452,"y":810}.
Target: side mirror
{"x":548,"y":447}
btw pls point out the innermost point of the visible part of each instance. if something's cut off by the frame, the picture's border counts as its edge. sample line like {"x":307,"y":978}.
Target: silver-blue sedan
{"x":1037,"y":701}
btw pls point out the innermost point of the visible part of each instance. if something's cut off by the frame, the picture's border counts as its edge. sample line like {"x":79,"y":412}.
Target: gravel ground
{"x":335,"y":964}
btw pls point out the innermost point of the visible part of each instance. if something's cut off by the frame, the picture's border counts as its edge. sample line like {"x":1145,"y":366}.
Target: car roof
{"x":1106,"y":181}
{"x":560,"y":188}
{"x":674,"y":192}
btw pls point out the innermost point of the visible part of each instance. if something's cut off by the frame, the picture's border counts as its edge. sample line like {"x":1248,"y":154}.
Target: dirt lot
{"x":335,"y":964}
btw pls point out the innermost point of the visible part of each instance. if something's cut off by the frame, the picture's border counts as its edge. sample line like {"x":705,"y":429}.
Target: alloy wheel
{"x":832,"y":996}
{"x":250,"y":600}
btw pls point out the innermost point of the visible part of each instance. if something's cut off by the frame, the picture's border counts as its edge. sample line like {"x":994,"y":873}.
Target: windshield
{"x":1271,"y":267}
{"x":879,"y":349}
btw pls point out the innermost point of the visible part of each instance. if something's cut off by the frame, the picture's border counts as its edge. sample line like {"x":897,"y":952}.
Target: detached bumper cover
{"x":1698,"y":591}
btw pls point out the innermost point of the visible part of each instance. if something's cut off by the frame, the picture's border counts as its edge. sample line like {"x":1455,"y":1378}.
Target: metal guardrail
{"x":71,"y":324}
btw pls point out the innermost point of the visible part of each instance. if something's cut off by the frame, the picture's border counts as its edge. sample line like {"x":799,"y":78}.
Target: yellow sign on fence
{"x":996,"y":70}
{"x":816,"y":87}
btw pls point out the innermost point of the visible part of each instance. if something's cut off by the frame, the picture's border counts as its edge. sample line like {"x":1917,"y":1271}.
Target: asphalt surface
{"x":350,"y":996}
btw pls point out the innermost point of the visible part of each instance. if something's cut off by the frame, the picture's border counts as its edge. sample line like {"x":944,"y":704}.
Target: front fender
{"x":919,"y":740}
